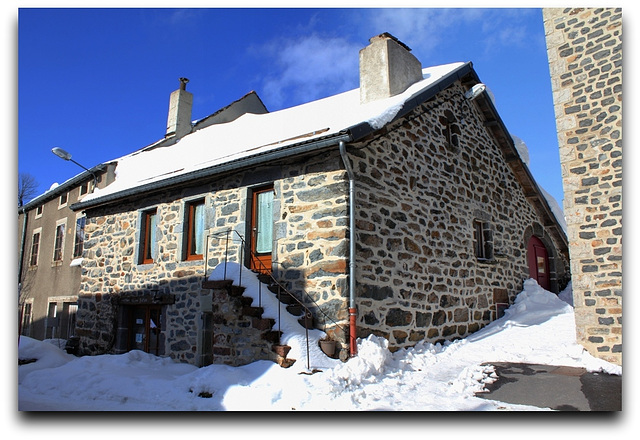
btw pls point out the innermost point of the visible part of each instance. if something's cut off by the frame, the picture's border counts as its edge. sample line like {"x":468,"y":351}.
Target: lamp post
{"x":62,"y":154}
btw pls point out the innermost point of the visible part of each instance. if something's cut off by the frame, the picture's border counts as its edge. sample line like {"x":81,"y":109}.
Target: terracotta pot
{"x":328,"y":347}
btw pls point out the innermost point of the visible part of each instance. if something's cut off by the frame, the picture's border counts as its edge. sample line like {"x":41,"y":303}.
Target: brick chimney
{"x":387,"y":68}
{"x":180,"y":104}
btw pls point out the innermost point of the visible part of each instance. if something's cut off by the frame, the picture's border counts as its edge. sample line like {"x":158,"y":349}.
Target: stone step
{"x":262,"y":323}
{"x":272,"y":336}
{"x":295,"y":309}
{"x":216,"y":284}
{"x":285,"y":297}
{"x":265,"y":278}
{"x":255,"y":312}
{"x":236,"y":291}
{"x":281,"y":350}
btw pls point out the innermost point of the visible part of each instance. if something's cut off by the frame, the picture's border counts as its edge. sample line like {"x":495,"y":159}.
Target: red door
{"x":538,"y":262}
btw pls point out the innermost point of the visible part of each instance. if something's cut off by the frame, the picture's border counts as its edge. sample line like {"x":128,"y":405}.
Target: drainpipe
{"x":22,"y":240}
{"x":352,"y":251}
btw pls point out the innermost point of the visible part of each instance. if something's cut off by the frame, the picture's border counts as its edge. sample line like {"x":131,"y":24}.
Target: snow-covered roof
{"x":255,"y":134}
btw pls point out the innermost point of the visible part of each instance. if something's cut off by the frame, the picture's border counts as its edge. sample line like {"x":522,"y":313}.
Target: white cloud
{"x":309,"y":68}
{"x":427,"y":28}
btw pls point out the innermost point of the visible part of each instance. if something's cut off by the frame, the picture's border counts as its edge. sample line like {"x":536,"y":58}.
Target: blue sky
{"x":96,"y":82}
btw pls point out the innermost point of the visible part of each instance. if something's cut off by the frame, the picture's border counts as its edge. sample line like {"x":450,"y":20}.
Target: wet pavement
{"x":555,"y":387}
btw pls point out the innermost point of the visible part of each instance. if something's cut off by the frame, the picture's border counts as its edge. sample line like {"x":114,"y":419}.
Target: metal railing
{"x":258,"y":266}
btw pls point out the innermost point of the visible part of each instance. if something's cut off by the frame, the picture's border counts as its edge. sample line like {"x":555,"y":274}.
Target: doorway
{"x":145,"y":328}
{"x":261,"y":233}
{"x":538,"y":259}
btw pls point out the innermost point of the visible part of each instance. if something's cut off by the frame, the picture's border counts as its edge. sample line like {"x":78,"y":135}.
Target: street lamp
{"x":62,"y":154}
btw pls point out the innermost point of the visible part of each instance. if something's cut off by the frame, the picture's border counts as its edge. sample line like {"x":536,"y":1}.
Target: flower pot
{"x":328,"y":347}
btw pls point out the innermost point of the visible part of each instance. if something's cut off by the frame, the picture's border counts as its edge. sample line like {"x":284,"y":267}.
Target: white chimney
{"x":387,"y":68}
{"x":180,"y":104}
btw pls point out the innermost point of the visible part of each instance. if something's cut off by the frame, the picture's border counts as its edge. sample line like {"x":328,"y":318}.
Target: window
{"x":63,"y":200}
{"x":26,"y":319}
{"x":195,"y":230}
{"x":39,"y":211}
{"x":483,"y":240}
{"x":86,"y":188}
{"x":451,"y":130}
{"x":52,"y":322}
{"x":70,"y":310}
{"x":79,"y":239}
{"x":57,"y":247}
{"x":148,"y":237}
{"x":35,"y":247}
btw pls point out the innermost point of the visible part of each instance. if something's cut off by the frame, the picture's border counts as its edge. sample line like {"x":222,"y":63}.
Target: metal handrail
{"x":263,"y":270}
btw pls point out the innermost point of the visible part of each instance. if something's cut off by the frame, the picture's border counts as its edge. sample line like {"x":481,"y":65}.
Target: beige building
{"x":585,"y":59}
{"x":51,"y":242}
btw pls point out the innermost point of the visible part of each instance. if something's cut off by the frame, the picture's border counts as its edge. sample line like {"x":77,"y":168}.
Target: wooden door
{"x":538,"y":258}
{"x":262,"y":230}
{"x":144,"y":328}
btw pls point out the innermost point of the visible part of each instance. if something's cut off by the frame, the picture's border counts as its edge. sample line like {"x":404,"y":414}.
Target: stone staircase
{"x":252,"y":315}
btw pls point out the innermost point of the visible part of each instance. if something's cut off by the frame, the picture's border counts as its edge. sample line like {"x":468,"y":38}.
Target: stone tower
{"x":584,"y":47}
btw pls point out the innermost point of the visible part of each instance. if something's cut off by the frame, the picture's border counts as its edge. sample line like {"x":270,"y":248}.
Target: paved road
{"x":558,"y":388}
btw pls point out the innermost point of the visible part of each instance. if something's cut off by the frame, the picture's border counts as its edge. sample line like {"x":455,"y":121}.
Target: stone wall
{"x":420,"y":187}
{"x":310,"y":247}
{"x":585,"y":57}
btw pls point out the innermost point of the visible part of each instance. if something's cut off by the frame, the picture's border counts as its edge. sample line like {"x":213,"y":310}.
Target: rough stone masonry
{"x":585,"y":58}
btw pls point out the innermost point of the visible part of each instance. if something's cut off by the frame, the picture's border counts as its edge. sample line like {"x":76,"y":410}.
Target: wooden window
{"x":478,"y":238}
{"x":57,"y":247}
{"x":35,"y":247}
{"x":483,"y":240}
{"x":148,"y":237}
{"x":79,"y":239}
{"x":195,"y":230}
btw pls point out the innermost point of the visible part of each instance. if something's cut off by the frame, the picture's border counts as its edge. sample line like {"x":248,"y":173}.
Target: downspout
{"x":22,"y":240}
{"x":20,"y":263}
{"x":352,"y":251}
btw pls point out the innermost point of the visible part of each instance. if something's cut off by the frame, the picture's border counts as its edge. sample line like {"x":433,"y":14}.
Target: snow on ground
{"x":537,"y":328}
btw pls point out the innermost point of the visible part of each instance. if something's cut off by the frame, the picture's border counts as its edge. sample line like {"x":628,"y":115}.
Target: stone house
{"x":400,"y":209}
{"x":584,"y":47}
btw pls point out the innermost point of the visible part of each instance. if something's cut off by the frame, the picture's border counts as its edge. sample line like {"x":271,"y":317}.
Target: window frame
{"x":86,"y":188}
{"x":35,"y":247}
{"x":63,"y":200}
{"x":58,"y":241}
{"x":189,"y":253}
{"x":78,"y":242}
{"x":39,"y":211}
{"x":146,"y":246}
{"x":482,"y":240}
